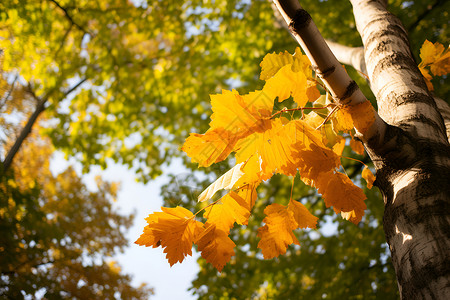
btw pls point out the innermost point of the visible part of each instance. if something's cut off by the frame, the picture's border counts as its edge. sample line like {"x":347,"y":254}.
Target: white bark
{"x":394,"y":76}
{"x":413,"y":167}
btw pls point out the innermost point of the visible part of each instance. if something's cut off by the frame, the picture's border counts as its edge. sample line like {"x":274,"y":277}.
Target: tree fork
{"x":411,"y":155}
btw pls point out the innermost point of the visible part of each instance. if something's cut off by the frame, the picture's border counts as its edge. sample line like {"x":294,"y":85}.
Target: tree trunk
{"x":411,"y":152}
{"x":413,"y":168}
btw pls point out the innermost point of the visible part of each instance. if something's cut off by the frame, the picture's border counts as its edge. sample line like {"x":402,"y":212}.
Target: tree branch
{"x":31,"y":121}
{"x":352,"y":56}
{"x":343,"y":89}
{"x":69,"y":17}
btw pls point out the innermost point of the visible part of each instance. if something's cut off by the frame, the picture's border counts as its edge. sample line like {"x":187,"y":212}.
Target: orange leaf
{"x":226,"y":181}
{"x":211,"y":147}
{"x":340,"y":192}
{"x":248,"y":194}
{"x":357,"y":146}
{"x":277,"y":234}
{"x":174,"y":229}
{"x":342,"y":121}
{"x":215,"y":246}
{"x":338,"y":148}
{"x":368,"y":176}
{"x":427,"y":77}
{"x":302,"y":215}
{"x":363,"y":115}
{"x":231,"y":208}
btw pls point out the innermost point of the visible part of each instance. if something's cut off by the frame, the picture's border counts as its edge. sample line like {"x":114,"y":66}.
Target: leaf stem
{"x":354,"y":160}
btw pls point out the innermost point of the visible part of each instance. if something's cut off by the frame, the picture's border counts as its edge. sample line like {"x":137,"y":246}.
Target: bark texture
{"x":413,"y":165}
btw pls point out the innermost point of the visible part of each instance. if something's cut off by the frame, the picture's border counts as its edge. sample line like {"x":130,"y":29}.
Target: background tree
{"x":58,"y":238}
{"x":142,"y":67}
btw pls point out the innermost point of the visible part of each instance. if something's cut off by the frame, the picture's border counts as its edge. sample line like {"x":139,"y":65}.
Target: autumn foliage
{"x":265,"y":141}
{"x":307,"y":139}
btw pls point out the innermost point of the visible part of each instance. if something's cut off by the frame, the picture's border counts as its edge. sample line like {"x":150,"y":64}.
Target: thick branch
{"x":31,"y":121}
{"x":343,"y":89}
{"x":352,"y":56}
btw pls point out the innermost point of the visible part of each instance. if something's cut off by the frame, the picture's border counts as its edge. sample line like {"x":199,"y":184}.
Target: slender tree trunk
{"x":410,"y":148}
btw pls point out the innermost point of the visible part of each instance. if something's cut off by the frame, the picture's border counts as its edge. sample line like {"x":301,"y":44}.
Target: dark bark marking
{"x":349,"y":90}
{"x":395,"y":60}
{"x":325,"y":73}
{"x":406,"y":123}
{"x":410,"y":97}
{"x":394,"y":28}
{"x":300,"y":20}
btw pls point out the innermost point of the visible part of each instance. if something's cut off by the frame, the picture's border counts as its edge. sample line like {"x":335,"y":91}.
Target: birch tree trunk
{"x":413,"y":169}
{"x":409,"y":146}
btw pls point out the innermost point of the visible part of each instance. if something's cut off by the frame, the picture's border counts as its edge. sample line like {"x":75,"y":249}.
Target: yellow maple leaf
{"x":215,"y":246}
{"x":430,"y":52}
{"x":174,"y":229}
{"x":277,"y":234}
{"x":226,"y":181}
{"x":368,"y":176}
{"x":236,"y":113}
{"x":211,"y":147}
{"x":231,"y":208}
{"x":273,"y":62}
{"x":341,"y":193}
{"x":271,"y":149}
{"x":342,"y":121}
{"x":286,"y":83}
{"x":302,"y":215}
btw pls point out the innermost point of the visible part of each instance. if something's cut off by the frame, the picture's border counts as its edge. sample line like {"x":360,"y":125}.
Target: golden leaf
{"x":231,"y":208}
{"x":342,"y":121}
{"x":338,"y":148}
{"x":368,"y":176}
{"x":286,"y":83}
{"x":215,"y":246}
{"x":236,"y":113}
{"x":427,"y":77}
{"x":357,"y":146}
{"x":302,"y":215}
{"x":211,"y":147}
{"x":429,"y":52}
{"x":277,"y":234}
{"x":174,"y":229}
{"x":273,"y":62}
{"x":341,"y":193}
{"x":363,"y":115}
